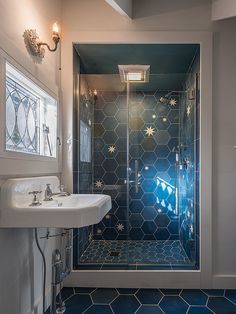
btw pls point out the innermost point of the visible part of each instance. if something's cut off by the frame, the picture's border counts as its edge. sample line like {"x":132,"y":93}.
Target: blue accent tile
{"x":199,"y":310}
{"x":149,"y":213}
{"x":194,"y":297}
{"x":83,"y":290}
{"x":101,"y":309}
{"x":66,"y":293}
{"x":103,"y":295}
{"x":231,"y":295}
{"x":173,"y":305}
{"x":78,"y":304}
{"x":127,"y":291}
{"x":149,"y":296}
{"x":149,"y":309}
{"x":149,"y":227}
{"x":125,"y":304}
{"x":220,"y":305}
{"x":171,"y":291}
{"x":213,"y":292}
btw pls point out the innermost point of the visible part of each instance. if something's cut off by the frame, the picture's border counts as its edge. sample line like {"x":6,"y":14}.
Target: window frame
{"x":8,"y":154}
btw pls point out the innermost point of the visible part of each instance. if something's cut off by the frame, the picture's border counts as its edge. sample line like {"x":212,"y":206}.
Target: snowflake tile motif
{"x":98,"y":184}
{"x":120,"y":227}
{"x":111,"y":149}
{"x":173,"y":102}
{"x":149,"y":131}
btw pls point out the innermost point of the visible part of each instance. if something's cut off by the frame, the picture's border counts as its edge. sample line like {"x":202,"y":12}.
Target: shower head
{"x":163,"y":99}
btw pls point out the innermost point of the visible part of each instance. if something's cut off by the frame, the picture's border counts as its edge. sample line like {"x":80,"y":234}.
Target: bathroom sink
{"x":73,"y":211}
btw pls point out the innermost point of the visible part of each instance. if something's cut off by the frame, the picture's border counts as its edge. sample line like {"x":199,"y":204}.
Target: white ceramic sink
{"x":74,"y":211}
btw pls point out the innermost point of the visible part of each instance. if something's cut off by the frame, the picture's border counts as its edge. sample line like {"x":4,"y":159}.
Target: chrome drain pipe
{"x":59,"y":273}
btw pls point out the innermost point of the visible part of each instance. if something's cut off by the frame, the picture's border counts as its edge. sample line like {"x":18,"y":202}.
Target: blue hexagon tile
{"x":147,"y":301}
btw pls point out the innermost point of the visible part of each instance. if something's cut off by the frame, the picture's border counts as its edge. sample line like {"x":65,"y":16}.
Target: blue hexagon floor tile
{"x":199,"y":310}
{"x":104,"y":296}
{"x":194,"y":297}
{"x":220,"y":305}
{"x":127,"y":304}
{"x":231,"y":295}
{"x":149,"y":296}
{"x":147,"y":301}
{"x":99,"y":309}
{"x":173,"y":305}
{"x":149,"y":309}
{"x":135,"y":251}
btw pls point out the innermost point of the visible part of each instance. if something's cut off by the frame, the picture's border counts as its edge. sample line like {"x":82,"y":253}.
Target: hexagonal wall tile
{"x":148,"y":144}
{"x":149,"y":227}
{"x":109,"y":96}
{"x":109,"y":123}
{"x":149,"y":185}
{"x":136,"y":220}
{"x":136,"y":123}
{"x":162,"y":220}
{"x":98,"y":130}
{"x":121,"y":130}
{"x":110,"y":137}
{"x":110,"y":164}
{"x":162,"y":137}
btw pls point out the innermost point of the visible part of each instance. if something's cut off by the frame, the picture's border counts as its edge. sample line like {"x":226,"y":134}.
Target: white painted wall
{"x":84,"y":17}
{"x":223,"y":9}
{"x":123,"y":7}
{"x":20,"y":262}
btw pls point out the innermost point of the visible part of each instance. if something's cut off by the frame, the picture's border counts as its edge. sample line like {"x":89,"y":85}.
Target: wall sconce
{"x":36,"y":46}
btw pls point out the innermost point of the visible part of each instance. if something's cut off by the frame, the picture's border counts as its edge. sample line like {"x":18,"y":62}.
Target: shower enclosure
{"x":139,"y":143}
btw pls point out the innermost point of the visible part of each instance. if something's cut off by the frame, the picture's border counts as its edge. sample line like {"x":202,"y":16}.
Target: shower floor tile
{"x":163,"y":253}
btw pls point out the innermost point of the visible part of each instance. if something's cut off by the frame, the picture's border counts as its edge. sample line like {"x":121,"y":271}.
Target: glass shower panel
{"x":154,"y":141}
{"x":106,"y":242}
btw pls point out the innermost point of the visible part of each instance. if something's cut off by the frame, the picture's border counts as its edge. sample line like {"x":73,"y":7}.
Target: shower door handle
{"x":136,"y":175}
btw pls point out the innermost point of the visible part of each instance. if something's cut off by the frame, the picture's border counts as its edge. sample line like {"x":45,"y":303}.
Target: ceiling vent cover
{"x":134,"y":73}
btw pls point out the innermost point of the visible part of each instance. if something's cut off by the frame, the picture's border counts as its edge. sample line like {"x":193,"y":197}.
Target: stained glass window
{"x":31,"y":116}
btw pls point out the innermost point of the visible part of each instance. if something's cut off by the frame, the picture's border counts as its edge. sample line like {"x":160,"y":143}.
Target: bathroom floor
{"x":135,"y":252}
{"x":148,"y":301}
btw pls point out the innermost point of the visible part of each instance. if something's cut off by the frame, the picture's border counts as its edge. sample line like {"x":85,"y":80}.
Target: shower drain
{"x":114,"y":253}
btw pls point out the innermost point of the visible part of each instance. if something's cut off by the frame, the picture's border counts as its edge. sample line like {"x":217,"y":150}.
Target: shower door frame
{"x":202,"y":278}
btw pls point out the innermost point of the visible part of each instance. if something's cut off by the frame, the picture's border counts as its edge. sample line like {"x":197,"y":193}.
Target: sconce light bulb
{"x":55,"y":28}
{"x":95,"y":92}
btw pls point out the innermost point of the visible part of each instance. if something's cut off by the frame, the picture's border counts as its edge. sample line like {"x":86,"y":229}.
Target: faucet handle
{"x":35,"y":201}
{"x":35,"y":192}
{"x":61,"y":188}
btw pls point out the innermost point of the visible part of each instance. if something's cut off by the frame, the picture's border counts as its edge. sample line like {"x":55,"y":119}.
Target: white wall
{"x":184,"y":15}
{"x":223,"y":9}
{"x":20,"y":262}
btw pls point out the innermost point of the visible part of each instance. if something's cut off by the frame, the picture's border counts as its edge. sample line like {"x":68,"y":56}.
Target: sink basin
{"x":73,"y":211}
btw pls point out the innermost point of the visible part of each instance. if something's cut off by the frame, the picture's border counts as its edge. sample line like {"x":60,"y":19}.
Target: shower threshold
{"x":134,"y":255}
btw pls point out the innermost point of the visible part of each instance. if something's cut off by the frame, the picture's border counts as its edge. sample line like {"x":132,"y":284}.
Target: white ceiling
{"x":221,"y":9}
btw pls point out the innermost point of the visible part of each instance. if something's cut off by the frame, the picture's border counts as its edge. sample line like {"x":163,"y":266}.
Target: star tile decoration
{"x":111,"y":149}
{"x":173,"y":102}
{"x":149,"y":131}
{"x":98,"y":184}
{"x":120,"y":227}
{"x":188,"y":110}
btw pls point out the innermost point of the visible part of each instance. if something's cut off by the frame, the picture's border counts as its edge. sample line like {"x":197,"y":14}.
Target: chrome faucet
{"x":48,"y":193}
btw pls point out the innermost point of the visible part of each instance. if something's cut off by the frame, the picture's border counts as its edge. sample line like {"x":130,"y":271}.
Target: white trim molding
{"x":150,"y":278}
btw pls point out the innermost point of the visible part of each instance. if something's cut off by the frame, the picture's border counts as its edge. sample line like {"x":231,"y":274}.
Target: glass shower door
{"x":153,"y":149}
